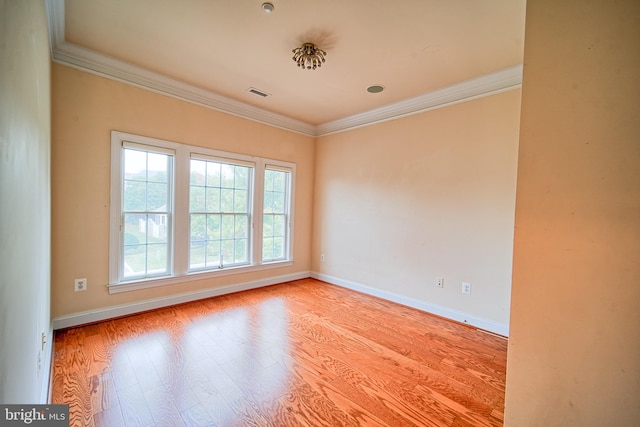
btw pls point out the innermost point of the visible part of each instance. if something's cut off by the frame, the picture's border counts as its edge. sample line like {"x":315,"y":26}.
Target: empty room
{"x":321,"y":212}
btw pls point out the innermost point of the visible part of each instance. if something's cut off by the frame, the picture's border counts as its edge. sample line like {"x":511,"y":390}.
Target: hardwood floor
{"x":303,"y":353}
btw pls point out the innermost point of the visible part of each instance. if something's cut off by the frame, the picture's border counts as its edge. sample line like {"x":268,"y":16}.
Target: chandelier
{"x":308,"y":56}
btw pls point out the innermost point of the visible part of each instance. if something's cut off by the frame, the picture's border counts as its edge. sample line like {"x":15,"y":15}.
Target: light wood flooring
{"x":303,"y":353}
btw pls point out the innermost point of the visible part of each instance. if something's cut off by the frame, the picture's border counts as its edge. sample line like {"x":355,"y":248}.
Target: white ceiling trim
{"x":103,"y":65}
{"x":106,"y":66}
{"x":490,"y":84}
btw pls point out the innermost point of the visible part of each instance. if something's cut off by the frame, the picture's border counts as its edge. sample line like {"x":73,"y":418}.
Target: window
{"x":275,"y":210}
{"x":146,"y":211}
{"x":182,"y":213}
{"x":219,"y":214}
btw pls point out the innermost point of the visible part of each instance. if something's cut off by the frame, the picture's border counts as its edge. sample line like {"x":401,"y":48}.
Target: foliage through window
{"x":146,"y":212}
{"x":274,"y":229}
{"x":179,"y":210}
{"x":219,"y":214}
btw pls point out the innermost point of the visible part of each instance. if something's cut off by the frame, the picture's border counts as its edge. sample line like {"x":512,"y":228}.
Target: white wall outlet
{"x":466,"y":288}
{"x":322,"y":258}
{"x":80,"y":285}
{"x":439,"y":282}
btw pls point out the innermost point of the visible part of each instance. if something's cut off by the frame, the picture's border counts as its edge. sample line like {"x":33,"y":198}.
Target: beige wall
{"x":85,"y":110}
{"x":400,"y":203}
{"x":574,"y":352}
{"x":25,"y":229}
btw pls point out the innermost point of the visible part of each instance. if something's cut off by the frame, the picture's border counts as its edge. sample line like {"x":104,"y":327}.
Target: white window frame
{"x":169,"y":209}
{"x":288,"y":209}
{"x":250,"y":190}
{"x":179,"y":238}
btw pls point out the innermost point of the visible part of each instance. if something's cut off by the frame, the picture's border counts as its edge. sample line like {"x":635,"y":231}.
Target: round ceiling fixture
{"x":375,"y":89}
{"x":267,"y":7}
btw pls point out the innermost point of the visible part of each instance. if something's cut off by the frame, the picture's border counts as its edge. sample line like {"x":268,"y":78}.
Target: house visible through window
{"x":180,"y":212}
{"x":146,"y":211}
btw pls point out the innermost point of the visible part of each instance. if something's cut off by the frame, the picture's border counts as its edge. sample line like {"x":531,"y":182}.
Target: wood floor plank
{"x":103,"y":392}
{"x":111,"y":417}
{"x":303,"y":353}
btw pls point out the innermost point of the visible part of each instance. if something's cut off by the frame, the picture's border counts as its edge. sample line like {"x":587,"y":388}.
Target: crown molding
{"x":490,"y":84}
{"x":103,"y":65}
{"x":97,"y":63}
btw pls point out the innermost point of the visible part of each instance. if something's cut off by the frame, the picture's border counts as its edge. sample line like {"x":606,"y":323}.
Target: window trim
{"x":179,"y":262}
{"x":287,"y":214}
{"x":169,"y":213}
{"x":249,"y":214}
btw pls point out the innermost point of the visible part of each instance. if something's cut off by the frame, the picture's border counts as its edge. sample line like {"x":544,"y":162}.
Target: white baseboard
{"x":446,"y":312}
{"x":91,"y":316}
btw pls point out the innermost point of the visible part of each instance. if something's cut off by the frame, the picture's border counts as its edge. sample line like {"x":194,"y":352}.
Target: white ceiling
{"x":424,"y":52}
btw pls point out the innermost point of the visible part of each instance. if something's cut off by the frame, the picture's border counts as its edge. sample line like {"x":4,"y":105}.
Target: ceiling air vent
{"x":258,"y":92}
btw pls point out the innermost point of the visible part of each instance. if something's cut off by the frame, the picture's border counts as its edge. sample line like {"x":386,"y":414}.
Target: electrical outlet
{"x":322,"y":258}
{"x":80,"y":285}
{"x":466,"y":288}
{"x":440,"y":282}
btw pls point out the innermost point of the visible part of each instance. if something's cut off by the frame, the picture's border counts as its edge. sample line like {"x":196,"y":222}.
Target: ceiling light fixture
{"x":375,"y":89}
{"x":267,"y":7}
{"x":308,"y":56}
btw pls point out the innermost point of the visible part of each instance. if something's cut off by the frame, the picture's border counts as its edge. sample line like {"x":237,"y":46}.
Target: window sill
{"x":117,"y":288}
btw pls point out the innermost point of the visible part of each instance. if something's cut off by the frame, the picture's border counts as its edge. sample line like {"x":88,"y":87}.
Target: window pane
{"x":157,"y":197}
{"x":157,"y":259}
{"x":197,"y":174}
{"x":240,"y":251}
{"x":213,"y":254}
{"x":135,"y":196}
{"x":278,"y":225}
{"x":242,"y":178}
{"x":198,"y":228}
{"x":213,"y":199}
{"x":278,"y":202}
{"x":135,"y":229}
{"x":268,"y":201}
{"x":135,"y":260}
{"x":280,"y":179}
{"x":240,"y":201}
{"x":226,"y":200}
{"x":278,"y":247}
{"x":158,"y":167}
{"x":213,"y":227}
{"x":135,"y":164}
{"x":156,"y":228}
{"x":267,"y":225}
{"x":197,"y":252}
{"x":227,"y":175}
{"x":228,"y":227}
{"x":268,"y":180}
{"x":267,"y":248}
{"x":197,"y":199}
{"x":227,"y":252}
{"x":213,"y":174}
{"x":241,"y":226}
